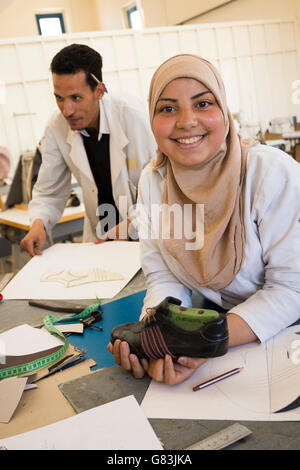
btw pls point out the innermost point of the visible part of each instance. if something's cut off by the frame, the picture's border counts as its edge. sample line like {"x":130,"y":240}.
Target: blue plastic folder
{"x":124,"y":310}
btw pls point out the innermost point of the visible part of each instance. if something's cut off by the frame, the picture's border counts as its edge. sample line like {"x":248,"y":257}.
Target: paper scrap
{"x":11,"y":391}
{"x":46,"y":404}
{"x":69,"y":327}
{"x":25,"y":339}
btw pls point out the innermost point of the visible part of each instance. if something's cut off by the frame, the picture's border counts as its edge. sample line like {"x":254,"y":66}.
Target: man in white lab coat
{"x":104,"y":141}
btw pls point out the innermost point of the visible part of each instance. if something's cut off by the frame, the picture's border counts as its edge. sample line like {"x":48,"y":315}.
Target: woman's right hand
{"x":129,"y":362}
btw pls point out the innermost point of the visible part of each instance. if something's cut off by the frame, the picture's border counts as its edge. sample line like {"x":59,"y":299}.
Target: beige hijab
{"x":216,"y":184}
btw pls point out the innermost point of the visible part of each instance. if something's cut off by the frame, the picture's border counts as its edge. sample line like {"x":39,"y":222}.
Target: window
{"x":51,"y":24}
{"x":134,"y":18}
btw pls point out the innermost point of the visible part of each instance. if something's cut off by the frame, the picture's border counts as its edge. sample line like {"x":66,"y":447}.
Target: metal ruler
{"x":222,"y":439}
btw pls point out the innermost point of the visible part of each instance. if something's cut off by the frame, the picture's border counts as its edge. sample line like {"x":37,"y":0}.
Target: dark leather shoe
{"x":156,"y":334}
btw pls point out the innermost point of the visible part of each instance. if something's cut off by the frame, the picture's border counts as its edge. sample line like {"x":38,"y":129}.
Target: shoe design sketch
{"x":70,"y":278}
{"x":172,"y":329}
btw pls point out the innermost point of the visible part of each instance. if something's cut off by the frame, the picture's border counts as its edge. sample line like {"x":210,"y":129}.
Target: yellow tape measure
{"x":48,"y":321}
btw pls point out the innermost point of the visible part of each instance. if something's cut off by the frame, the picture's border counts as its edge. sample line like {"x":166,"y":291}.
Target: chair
{"x":296,"y":152}
{"x":5,"y":252}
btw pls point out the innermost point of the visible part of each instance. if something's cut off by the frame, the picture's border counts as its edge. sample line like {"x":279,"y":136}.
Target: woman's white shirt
{"x":266,"y":291}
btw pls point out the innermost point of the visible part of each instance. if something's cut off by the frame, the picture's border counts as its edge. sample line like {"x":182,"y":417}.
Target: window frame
{"x":129,"y":11}
{"x":40,"y":16}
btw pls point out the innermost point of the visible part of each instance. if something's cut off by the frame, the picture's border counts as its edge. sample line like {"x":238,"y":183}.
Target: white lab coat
{"x":132,"y":146}
{"x":266,"y":291}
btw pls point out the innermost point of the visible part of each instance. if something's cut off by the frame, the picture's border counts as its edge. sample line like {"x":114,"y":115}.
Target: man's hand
{"x":35,"y":238}
{"x":117,"y":233}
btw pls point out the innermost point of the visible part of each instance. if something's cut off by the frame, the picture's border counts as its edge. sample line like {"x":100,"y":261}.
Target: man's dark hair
{"x":76,"y":58}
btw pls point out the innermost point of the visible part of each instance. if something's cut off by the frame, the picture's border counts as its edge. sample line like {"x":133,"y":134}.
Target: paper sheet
{"x":119,"y":425}
{"x":284,"y":367}
{"x":119,"y":257}
{"x":264,"y":384}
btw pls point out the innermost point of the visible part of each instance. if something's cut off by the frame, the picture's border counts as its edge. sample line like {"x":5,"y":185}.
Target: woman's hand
{"x":161,"y":370}
{"x":129,"y":362}
{"x":173,"y":373}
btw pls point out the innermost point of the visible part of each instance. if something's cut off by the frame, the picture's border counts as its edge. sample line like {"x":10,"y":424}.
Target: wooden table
{"x":15,"y":222}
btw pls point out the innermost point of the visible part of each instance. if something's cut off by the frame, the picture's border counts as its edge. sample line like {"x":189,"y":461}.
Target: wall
{"x":259,"y":61}
{"x":93,"y":15}
{"x":171,"y":12}
{"x":17,"y":17}
{"x":179,"y":10}
{"x":110,"y":14}
{"x":241,"y":10}
{"x":155,"y":13}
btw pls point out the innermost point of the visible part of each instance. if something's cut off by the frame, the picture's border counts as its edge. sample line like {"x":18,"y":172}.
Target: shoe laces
{"x":150,"y":315}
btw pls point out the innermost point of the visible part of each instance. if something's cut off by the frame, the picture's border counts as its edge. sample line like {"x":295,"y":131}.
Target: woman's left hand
{"x":172,"y":373}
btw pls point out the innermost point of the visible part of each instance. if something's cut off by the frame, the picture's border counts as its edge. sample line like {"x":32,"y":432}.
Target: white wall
{"x":180,"y":10}
{"x":173,"y":12}
{"x":247,"y":10}
{"x":17,"y":17}
{"x":110,"y":14}
{"x":259,"y":61}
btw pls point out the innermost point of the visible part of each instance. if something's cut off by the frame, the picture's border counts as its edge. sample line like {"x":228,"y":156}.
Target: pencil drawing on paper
{"x":70,"y":278}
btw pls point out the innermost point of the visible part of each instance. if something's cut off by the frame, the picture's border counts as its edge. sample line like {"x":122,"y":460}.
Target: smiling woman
{"x":249,"y":264}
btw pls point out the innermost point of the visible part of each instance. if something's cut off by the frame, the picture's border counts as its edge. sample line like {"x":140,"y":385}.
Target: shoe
{"x":177,"y":331}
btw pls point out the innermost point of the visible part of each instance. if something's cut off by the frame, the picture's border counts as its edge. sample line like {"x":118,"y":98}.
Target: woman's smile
{"x":188,"y":123}
{"x":189,"y":142}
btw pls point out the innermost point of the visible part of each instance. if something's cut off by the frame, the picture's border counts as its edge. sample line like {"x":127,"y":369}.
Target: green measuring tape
{"x":44,"y":361}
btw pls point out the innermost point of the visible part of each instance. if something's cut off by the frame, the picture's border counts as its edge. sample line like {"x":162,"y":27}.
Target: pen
{"x":97,"y":80}
{"x":59,"y":369}
{"x":217,"y":379}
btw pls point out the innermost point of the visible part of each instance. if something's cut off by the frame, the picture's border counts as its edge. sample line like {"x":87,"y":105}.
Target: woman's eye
{"x":203,"y":104}
{"x":167,"y":109}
